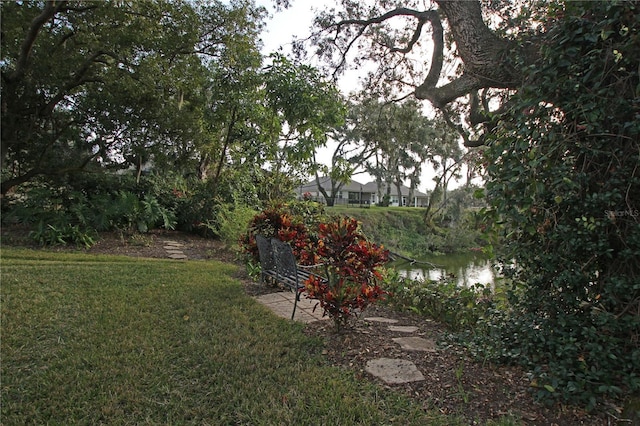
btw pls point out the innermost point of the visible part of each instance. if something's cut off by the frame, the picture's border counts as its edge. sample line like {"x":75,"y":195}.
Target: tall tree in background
{"x":106,"y":82}
{"x":400,"y":140}
{"x":350,"y":152}
{"x":553,"y":89}
{"x":447,"y":161}
{"x":302,"y":109}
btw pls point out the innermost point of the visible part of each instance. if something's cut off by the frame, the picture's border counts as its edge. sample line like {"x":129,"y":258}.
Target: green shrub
{"x":63,"y":215}
{"x":564,"y":184}
{"x":460,"y":308}
{"x":233,"y":222}
{"x":62,"y":234}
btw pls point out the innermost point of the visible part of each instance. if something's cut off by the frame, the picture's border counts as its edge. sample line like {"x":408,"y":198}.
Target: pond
{"x":467,"y":268}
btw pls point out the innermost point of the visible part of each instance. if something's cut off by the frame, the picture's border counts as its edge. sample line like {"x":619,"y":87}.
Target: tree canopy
{"x":104,"y":82}
{"x":414,"y":49}
{"x":552,"y":89}
{"x":177,"y":85}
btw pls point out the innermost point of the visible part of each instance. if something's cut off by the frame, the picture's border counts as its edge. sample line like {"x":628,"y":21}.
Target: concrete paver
{"x":173,"y":243}
{"x":403,"y":328}
{"x":381,"y":319}
{"x":174,"y":250}
{"x":393,"y":371}
{"x":281,"y":303}
{"x":177,"y":256}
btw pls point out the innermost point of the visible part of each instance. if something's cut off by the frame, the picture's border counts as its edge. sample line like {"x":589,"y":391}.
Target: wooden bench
{"x":278,"y":263}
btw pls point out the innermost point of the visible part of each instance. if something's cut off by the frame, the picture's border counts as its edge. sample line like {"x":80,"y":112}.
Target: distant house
{"x":350,"y":193}
{"x":354,"y":192}
{"x":417,"y":199}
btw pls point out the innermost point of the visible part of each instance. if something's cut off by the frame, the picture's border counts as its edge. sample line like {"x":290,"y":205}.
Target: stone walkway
{"x":389,"y":370}
{"x":281,"y":303}
{"x":174,"y":250}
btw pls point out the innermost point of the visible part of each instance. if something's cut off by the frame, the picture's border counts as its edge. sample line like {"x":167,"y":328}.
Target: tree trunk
{"x":398,"y":183}
{"x":485,"y":56}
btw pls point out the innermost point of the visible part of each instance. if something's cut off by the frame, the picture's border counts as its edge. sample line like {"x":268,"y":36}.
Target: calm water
{"x":468,"y":268}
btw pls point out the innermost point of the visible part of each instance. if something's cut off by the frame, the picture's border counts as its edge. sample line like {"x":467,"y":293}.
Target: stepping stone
{"x":178,"y":256}
{"x":281,"y":304}
{"x":173,"y":243}
{"x":382,"y":319}
{"x":173,"y":247}
{"x":176,"y":251}
{"x":394,"y":371}
{"x":403,"y":328}
{"x":416,"y":344}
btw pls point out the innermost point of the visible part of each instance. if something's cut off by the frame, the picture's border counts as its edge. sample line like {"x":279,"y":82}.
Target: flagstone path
{"x":389,"y":370}
{"x":174,"y":250}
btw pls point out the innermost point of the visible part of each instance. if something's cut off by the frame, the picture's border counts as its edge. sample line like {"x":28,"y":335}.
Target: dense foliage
{"x":565,"y":185}
{"x":162,"y":85}
{"x":351,"y":264}
{"x":75,"y":209}
{"x":109,"y":83}
{"x":352,"y":267}
{"x":458,"y":307}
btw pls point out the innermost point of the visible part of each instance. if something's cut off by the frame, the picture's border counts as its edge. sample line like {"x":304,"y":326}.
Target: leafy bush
{"x":233,"y":221}
{"x":352,"y":267}
{"x":565,"y":185}
{"x":351,"y":263}
{"x":58,"y":217}
{"x":293,"y":222}
{"x":133,"y":213}
{"x":62,"y":234}
{"x":193,"y":203}
{"x":460,"y":308}
{"x":63,"y":215}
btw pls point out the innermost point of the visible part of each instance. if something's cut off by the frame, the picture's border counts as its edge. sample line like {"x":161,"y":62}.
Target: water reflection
{"x":467,"y":268}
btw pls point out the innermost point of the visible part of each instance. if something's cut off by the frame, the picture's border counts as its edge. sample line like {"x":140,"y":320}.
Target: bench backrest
{"x":285,"y":261}
{"x":265,"y":251}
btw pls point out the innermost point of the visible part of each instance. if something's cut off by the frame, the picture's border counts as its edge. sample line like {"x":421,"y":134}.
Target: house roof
{"x":325,"y":182}
{"x":355,"y":186}
{"x":404,"y":190}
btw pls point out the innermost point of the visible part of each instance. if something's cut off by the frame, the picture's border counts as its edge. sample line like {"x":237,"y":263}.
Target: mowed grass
{"x":115,"y":340}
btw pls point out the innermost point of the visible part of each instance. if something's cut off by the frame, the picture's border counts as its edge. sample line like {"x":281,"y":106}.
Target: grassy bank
{"x":115,"y":340}
{"x":402,"y":229}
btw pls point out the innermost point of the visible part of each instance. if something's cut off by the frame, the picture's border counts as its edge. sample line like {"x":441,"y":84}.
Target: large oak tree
{"x":552,"y":89}
{"x":111,"y":82}
{"x":413,"y":51}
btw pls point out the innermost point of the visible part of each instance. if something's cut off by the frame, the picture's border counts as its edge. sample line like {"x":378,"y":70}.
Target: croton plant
{"x":352,"y":268}
{"x":351,"y":264}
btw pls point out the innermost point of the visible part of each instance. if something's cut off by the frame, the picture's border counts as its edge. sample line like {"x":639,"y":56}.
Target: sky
{"x":296,"y":21}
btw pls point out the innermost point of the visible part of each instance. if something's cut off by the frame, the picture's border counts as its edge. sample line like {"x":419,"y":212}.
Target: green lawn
{"x":116,"y":340}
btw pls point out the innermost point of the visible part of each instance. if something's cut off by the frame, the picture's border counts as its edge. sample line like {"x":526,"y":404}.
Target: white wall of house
{"x":366,"y":194}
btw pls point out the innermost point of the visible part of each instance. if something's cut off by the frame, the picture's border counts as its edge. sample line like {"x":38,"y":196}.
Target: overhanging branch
{"x":49,"y":11}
